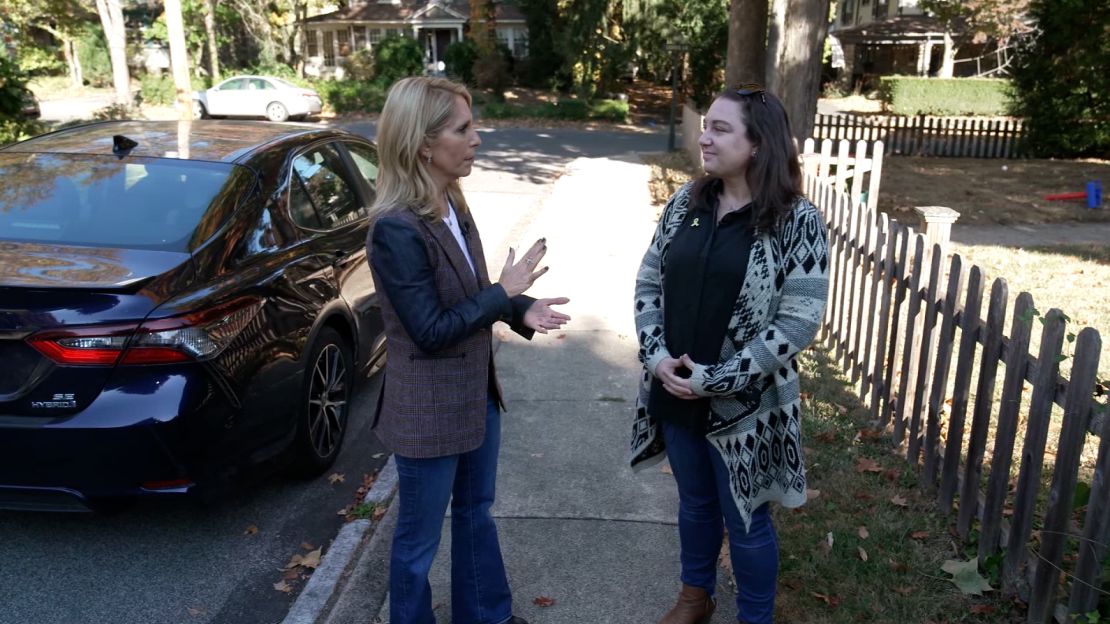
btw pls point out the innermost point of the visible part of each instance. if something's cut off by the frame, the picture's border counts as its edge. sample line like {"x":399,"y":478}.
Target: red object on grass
{"x":1063,"y":196}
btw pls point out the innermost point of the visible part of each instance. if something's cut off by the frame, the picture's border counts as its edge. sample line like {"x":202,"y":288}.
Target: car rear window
{"x":139,"y":203}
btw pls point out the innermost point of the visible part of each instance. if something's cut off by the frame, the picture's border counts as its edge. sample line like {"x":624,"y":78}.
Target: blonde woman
{"x":439,"y":412}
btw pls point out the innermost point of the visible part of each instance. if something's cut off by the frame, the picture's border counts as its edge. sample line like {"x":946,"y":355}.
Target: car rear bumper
{"x":125,"y":444}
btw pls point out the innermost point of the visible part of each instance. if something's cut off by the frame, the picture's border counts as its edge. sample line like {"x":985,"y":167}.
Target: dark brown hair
{"x":774,"y":175}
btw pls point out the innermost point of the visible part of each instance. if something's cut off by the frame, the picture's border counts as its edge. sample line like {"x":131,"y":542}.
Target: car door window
{"x":233,"y":85}
{"x":366,"y":161}
{"x":261,"y":85}
{"x":319,"y":197}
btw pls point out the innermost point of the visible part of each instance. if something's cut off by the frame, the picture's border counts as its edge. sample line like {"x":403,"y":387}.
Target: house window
{"x":374,"y":35}
{"x":882,"y":8}
{"x":343,"y":36}
{"x":520,"y":44}
{"x":848,"y":12}
{"x":359,"y":33}
{"x":329,"y":48}
{"x":313,"y":46}
{"x":505,"y":37}
{"x":392,"y":32}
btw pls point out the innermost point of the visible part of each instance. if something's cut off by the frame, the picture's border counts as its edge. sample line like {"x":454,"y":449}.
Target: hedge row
{"x":908,"y":95}
{"x":565,"y":109}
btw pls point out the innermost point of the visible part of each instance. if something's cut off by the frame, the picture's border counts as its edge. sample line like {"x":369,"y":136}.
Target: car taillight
{"x":309,"y":94}
{"x":190,"y":337}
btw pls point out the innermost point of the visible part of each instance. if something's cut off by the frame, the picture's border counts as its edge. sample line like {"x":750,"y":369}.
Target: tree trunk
{"x":948,"y":62}
{"x":210,"y":35}
{"x":179,"y":58}
{"x":111,"y":18}
{"x":798,"y":63}
{"x":775,"y":41}
{"x":76,"y":72}
{"x":747,"y":41}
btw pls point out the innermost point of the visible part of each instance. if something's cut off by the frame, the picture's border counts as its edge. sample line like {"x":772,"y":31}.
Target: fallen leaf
{"x":250,"y":530}
{"x":312,"y":559}
{"x":307,"y":546}
{"x":291,"y":575}
{"x":294,"y":562}
{"x":892,"y":475}
{"x":864,"y":533}
{"x":863,"y":496}
{"x":829,"y":539}
{"x":899,"y":567}
{"x":827,"y":436}
{"x":965,"y":575}
{"x":862,"y":553}
{"x":282,"y":586}
{"x":805,"y":396}
{"x":871,"y":434}
{"x":918,"y":535}
{"x":336,"y":477}
{"x":379,"y":511}
{"x":342,"y":512}
{"x":196,"y":611}
{"x":899,"y":501}
{"x":543,"y":601}
{"x":831,"y":601}
{"x":812,"y":494}
{"x":377,"y":456}
{"x":982,"y":609}
{"x":904,"y":590}
{"x":666,"y":469}
{"x":865,"y":464}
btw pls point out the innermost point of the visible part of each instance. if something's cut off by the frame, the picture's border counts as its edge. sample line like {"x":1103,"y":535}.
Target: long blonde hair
{"x":416,"y":110}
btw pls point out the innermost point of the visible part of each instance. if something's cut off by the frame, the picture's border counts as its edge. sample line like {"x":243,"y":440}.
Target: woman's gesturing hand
{"x":541,"y":317}
{"x":518,"y":277}
{"x":667,"y":372}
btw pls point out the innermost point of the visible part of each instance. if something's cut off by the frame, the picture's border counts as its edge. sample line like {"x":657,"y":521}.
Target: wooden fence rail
{"x":905,"y":320}
{"x":928,"y":136}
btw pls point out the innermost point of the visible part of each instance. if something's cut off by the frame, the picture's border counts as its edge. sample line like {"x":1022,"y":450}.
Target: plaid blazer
{"x":438,"y":315}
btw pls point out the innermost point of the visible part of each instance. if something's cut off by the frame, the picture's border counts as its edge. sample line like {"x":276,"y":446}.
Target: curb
{"x":324,"y":584}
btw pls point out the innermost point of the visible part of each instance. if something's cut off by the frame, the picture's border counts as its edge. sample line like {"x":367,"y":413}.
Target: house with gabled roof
{"x":436,"y":24}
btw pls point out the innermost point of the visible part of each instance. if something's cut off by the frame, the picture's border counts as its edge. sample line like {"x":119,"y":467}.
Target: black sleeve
{"x":520,"y":304}
{"x":407,"y":277}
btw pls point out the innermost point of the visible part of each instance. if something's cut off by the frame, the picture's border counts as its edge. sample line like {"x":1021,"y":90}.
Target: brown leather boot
{"x":694,"y":606}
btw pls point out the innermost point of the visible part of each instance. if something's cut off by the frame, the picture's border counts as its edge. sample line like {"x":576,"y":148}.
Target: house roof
{"x":893,"y":30}
{"x":414,"y":12}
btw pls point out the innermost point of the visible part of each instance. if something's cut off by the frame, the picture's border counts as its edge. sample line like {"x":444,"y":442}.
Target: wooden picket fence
{"x":928,"y":136}
{"x":906,"y":323}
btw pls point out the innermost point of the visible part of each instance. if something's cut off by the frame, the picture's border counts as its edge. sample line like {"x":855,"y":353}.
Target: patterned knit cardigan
{"x":754,"y":399}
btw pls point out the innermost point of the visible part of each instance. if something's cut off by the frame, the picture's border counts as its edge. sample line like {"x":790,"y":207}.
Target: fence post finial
{"x":937,"y":222}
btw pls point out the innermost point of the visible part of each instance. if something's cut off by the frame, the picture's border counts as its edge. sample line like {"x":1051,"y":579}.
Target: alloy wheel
{"x":327,"y":401}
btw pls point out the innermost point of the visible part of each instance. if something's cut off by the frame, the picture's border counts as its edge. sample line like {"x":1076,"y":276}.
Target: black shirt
{"x":704,"y":272}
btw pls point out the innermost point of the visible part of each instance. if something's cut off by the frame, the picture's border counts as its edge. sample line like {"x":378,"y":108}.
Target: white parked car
{"x":256,"y":96}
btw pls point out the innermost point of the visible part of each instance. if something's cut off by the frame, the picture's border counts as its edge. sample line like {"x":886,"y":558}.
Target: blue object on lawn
{"x":1094,"y":194}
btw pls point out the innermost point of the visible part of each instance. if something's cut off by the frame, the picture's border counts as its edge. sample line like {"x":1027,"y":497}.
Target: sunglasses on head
{"x":751,"y":89}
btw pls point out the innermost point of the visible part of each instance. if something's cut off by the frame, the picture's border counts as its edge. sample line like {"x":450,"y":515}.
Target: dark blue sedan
{"x":180,"y":302}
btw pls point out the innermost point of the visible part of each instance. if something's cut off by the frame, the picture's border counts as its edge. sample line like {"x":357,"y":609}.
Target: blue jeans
{"x":479,"y":589}
{"x":705,"y":504}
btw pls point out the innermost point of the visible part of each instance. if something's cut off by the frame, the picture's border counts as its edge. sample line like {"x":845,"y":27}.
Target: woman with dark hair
{"x":732,"y":287}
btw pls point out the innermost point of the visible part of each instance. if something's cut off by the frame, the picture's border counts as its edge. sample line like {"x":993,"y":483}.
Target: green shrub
{"x":459,"y":59}
{"x":494,"y":69}
{"x":564,"y":109}
{"x":36,"y":61}
{"x":397,"y":57}
{"x":158,"y":90}
{"x":13,"y":86}
{"x":360,"y":65}
{"x":609,"y":110}
{"x":1061,"y":79}
{"x":92,"y":52}
{"x":352,"y":96}
{"x":910,"y":95}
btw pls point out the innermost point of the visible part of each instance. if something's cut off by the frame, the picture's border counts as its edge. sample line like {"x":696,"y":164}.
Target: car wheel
{"x":199,"y":112}
{"x":276,"y":111}
{"x":324,"y":404}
